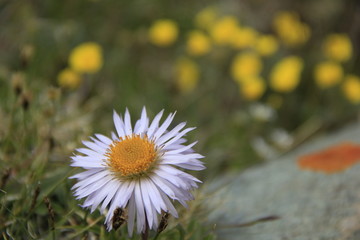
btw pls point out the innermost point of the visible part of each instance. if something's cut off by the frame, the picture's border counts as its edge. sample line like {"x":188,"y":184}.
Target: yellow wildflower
{"x":86,"y":58}
{"x":285,"y":75}
{"x":187,"y":75}
{"x":222,"y":31}
{"x":163,"y":32}
{"x":290,"y":29}
{"x":198,"y":43}
{"x":328,"y":74}
{"x":246,"y":65}
{"x":266,"y":45}
{"x":68,"y":78}
{"x":252,"y":88}
{"x":206,"y":17}
{"x":337,"y":47}
{"x":243,"y":37}
{"x":351,"y":88}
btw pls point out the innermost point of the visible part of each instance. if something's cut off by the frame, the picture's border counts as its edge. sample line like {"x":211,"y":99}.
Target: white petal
{"x":131,"y":215}
{"x":127,"y":120}
{"x":158,"y":182}
{"x":181,"y":149}
{"x":170,"y":134}
{"x":89,"y":152}
{"x":83,"y":192}
{"x":143,"y":123}
{"x":100,"y":144}
{"x":86,"y":174}
{"x":195,"y":167}
{"x":171,"y":178}
{"x":140,"y":214}
{"x":114,"y":137}
{"x":94,"y":146}
{"x":95,"y":177}
{"x":155,"y":123}
{"x":112,"y":189}
{"x":119,"y":125}
{"x":104,"y":139}
{"x":178,"y":136}
{"x":147,"y":204}
{"x":164,"y":126}
{"x":155,"y":196}
{"x":170,"y":207}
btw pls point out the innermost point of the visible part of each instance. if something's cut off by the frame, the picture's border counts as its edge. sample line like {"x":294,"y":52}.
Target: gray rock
{"x":310,"y":205}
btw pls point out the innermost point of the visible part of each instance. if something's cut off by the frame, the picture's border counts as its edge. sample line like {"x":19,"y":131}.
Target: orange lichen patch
{"x":331,"y":160}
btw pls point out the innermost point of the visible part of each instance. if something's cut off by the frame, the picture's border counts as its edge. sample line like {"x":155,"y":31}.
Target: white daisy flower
{"x":137,"y":170}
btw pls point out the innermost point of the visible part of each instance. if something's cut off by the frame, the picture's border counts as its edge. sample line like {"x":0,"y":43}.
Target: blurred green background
{"x":257,"y":78}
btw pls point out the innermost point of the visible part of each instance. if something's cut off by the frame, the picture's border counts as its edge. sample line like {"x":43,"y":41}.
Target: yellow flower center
{"x":131,"y":156}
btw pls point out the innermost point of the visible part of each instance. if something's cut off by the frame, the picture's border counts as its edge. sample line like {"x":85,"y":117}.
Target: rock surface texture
{"x":309,"y":205}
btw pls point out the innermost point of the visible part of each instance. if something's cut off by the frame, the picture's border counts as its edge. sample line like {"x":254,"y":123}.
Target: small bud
{"x":18,"y":82}
{"x":35,"y":196}
{"x":26,"y":53}
{"x":51,"y":212}
{"x":164,"y":222}
{"x":5,"y":177}
{"x":118,"y":218}
{"x":25,"y":100}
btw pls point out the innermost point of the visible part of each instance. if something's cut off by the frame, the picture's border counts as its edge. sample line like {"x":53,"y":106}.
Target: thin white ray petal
{"x":159,"y":132}
{"x":170,"y":134}
{"x":155,"y":123}
{"x":119,"y":125}
{"x":114,"y":137}
{"x":171,"y":178}
{"x":140,"y":214}
{"x":95,"y":177}
{"x":131,"y":215}
{"x":169,"y":206}
{"x":181,"y":149}
{"x":155,"y":197}
{"x":102,"y":145}
{"x":191,"y":167}
{"x":89,"y":153}
{"x":147,"y":204}
{"x":83,"y":192}
{"x":142,"y":124}
{"x":127,"y":120}
{"x":112,"y":189}
{"x":104,"y":139}
{"x":158,"y":182}
{"x":182,"y":133}
{"x":93,"y":146}
{"x":86,"y":174}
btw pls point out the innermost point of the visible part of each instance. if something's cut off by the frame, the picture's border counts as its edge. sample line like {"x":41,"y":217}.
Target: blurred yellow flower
{"x":290,"y":29}
{"x":351,"y":88}
{"x":266,"y":45}
{"x":206,"y":17}
{"x":246,"y":65}
{"x":68,"y":78}
{"x":285,"y":75}
{"x":187,"y":75}
{"x":222,"y":31}
{"x":328,"y":74}
{"x":243,"y":37}
{"x":86,"y":58}
{"x":163,"y":32}
{"x":338,"y":47}
{"x":252,"y":88}
{"x":198,"y":43}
